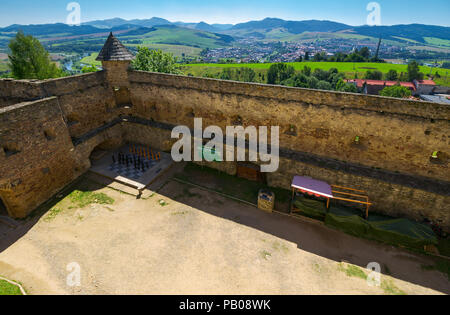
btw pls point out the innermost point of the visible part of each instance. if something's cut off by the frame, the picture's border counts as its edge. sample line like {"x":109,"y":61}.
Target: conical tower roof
{"x":114,"y":50}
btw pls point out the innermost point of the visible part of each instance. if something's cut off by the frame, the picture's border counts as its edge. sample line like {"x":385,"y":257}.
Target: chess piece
{"x":114,"y":159}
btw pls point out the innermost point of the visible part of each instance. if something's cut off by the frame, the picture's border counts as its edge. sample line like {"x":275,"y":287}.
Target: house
{"x":373,"y":87}
{"x":424,"y":86}
{"x":441,"y":98}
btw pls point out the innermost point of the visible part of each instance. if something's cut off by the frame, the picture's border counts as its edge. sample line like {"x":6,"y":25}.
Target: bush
{"x":396,"y":91}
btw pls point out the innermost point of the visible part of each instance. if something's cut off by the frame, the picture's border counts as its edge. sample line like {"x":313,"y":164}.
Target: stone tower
{"x":115,"y":58}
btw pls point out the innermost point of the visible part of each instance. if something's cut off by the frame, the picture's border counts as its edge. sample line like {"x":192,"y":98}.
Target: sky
{"x":352,"y":12}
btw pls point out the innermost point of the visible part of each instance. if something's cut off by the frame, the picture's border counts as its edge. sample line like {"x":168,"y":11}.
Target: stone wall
{"x":36,"y":156}
{"x":318,"y":128}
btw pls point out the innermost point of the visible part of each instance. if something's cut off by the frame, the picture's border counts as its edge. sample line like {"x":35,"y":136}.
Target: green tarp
{"x":311,"y":208}
{"x":384,"y":229}
{"x":378,"y":227}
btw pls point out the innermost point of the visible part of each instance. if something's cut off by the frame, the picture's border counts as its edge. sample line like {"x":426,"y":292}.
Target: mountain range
{"x":203,"y":35}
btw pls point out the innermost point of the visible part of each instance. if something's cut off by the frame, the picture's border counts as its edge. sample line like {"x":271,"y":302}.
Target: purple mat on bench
{"x":313,"y":186}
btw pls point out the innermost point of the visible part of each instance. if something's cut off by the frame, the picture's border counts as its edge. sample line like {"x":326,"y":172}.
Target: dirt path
{"x":199,"y":243}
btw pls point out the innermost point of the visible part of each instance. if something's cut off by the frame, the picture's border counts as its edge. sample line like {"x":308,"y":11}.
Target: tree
{"x":374,"y":75}
{"x":299,"y":80}
{"x":155,"y":61}
{"x":414,"y":71}
{"x":392,"y":75}
{"x":346,"y":87}
{"x":242,"y":74}
{"x":365,"y":53}
{"x":322,"y":56}
{"x":306,"y":71}
{"x":279,"y":72}
{"x":306,"y":56}
{"x":324,"y":85}
{"x":396,"y":91}
{"x":29,"y":59}
{"x":88,"y":69}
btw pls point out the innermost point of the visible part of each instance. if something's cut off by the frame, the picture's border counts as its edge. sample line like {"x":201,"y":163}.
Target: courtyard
{"x":177,"y":238}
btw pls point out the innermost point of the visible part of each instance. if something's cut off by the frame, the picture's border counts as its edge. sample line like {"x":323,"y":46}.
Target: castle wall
{"x":36,"y":156}
{"x":317,"y":132}
{"x":392,"y":161}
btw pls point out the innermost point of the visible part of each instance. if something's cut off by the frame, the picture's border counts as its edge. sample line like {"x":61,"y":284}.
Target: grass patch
{"x":350,"y":69}
{"x":85,"y":198}
{"x":163,"y":203}
{"x":353,"y":271}
{"x":52,"y":213}
{"x":7,"y":288}
{"x":390,"y":288}
{"x":265,"y":255}
{"x":91,"y":60}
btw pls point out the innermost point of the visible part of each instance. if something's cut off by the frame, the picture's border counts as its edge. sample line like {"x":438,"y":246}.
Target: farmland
{"x":349,"y":68}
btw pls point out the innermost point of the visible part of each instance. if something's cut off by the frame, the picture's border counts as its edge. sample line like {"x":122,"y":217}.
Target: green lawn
{"x":7,"y":288}
{"x":349,"y":68}
{"x":90,"y":60}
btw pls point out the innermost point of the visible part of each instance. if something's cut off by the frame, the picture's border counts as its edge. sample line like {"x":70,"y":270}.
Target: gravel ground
{"x":198,"y":243}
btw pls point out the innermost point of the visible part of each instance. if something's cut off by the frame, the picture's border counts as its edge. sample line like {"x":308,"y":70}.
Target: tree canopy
{"x":396,"y":91}
{"x":155,"y":61}
{"x":279,"y":72}
{"x":414,"y":71}
{"x":29,"y":59}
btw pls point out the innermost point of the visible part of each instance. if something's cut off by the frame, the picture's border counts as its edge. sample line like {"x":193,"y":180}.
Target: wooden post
{"x":292,"y":201}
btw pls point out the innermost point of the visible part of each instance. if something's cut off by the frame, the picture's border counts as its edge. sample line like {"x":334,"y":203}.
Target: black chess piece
{"x":114,"y":159}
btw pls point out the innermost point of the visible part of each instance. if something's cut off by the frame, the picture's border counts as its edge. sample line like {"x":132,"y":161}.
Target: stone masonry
{"x":48,"y":130}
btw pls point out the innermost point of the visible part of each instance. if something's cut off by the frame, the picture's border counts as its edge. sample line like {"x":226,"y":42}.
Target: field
{"x":90,"y":60}
{"x":3,"y":62}
{"x":349,"y":68}
{"x":176,"y":50}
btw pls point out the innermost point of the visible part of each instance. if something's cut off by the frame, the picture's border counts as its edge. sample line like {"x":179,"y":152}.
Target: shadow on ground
{"x":309,"y":236}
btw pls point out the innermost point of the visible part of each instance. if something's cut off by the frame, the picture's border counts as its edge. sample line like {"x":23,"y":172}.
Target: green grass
{"x":437,"y":41}
{"x":52,"y":213}
{"x":349,"y":68}
{"x":85,"y":198}
{"x":353,"y":271}
{"x":4,"y":65}
{"x":387,"y":286}
{"x":90,"y":60}
{"x":390,"y":288}
{"x":7,"y":288}
{"x":180,"y":36}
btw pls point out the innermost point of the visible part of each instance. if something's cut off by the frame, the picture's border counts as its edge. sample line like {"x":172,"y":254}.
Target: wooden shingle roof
{"x":114,"y":50}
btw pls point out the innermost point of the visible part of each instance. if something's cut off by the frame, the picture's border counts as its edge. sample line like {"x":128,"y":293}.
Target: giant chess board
{"x":134,"y":165}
